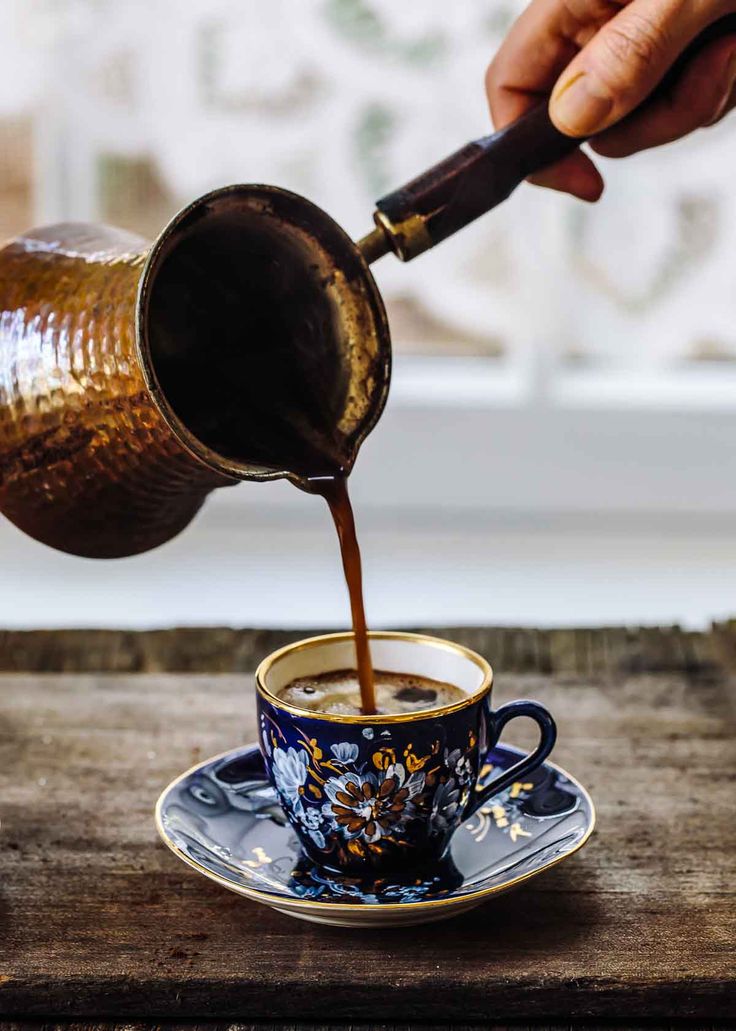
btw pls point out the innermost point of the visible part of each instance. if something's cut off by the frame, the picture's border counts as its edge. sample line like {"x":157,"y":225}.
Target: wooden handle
{"x":483,"y":173}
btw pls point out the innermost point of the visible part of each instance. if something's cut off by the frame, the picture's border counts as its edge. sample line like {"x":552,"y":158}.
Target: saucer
{"x":223,"y":818}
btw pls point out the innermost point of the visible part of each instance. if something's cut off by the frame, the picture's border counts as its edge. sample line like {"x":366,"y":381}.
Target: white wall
{"x":586,"y":475}
{"x":265,"y":571}
{"x":546,"y":522}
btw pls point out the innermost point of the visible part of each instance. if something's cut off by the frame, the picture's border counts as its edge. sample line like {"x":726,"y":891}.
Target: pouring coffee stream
{"x":249,"y":342}
{"x":334,"y":490}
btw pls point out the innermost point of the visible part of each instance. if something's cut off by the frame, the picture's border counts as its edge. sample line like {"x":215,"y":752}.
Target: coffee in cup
{"x":338,"y":691}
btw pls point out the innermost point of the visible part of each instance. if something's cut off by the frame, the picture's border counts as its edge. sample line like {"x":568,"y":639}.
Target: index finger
{"x":539,"y":46}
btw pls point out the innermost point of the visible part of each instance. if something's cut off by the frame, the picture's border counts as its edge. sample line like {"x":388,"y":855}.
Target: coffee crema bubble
{"x":338,"y":692}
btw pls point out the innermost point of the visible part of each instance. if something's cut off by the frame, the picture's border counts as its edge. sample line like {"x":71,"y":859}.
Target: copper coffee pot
{"x":249,"y":342}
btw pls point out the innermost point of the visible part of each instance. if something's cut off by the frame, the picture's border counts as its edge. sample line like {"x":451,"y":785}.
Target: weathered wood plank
{"x":359,"y":1026}
{"x":514,"y":650}
{"x":98,"y":920}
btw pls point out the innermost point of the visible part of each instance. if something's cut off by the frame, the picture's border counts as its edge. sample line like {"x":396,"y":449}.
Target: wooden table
{"x":100,"y":923}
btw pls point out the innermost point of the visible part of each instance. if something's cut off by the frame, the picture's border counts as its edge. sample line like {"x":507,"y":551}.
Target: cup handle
{"x":547,"y":738}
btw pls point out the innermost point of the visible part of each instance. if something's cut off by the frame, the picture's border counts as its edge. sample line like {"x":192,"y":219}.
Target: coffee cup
{"x":367,"y":794}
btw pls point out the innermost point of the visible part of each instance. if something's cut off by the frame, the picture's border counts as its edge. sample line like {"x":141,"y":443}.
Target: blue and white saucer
{"x":222,"y":817}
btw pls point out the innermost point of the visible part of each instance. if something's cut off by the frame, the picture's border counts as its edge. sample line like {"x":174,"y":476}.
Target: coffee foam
{"x":338,"y":692}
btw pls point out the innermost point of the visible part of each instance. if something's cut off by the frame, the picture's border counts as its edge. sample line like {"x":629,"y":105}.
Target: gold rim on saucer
{"x":284,"y":902}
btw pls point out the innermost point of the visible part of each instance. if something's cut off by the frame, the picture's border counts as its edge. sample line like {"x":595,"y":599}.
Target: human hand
{"x":599,"y":59}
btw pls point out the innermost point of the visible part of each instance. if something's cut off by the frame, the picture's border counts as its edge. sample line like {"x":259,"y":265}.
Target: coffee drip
{"x":334,"y":489}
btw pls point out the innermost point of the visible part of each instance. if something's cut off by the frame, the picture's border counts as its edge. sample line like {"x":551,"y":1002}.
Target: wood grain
{"x":30,"y":1025}
{"x":514,"y":650}
{"x":99,"y":921}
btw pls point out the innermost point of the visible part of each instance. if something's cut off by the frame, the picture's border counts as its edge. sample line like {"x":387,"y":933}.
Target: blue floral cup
{"x":375,"y":793}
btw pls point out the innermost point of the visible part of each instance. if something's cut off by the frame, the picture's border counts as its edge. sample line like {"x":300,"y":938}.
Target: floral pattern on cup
{"x":378,"y":795}
{"x":361,"y":799}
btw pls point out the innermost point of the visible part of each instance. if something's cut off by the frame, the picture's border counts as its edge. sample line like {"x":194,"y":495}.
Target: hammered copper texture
{"x":87,"y":463}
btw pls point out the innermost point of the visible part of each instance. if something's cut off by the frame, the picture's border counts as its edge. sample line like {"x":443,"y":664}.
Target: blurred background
{"x":560,"y":443}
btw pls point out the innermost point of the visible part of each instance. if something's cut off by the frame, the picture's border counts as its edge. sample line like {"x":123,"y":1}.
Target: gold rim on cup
{"x":375,"y":635}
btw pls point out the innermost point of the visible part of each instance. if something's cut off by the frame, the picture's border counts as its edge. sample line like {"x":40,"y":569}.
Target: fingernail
{"x":580,"y":105}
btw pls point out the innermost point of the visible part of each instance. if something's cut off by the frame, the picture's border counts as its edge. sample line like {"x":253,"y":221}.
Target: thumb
{"x":622,"y":64}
